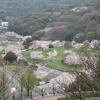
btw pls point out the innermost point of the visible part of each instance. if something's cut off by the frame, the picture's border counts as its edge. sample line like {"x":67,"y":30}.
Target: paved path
{"x":49,"y":98}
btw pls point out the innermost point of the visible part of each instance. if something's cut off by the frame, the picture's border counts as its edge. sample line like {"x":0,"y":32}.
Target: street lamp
{"x":13,"y":90}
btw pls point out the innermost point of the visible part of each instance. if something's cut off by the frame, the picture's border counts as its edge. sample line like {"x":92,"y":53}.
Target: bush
{"x":81,"y":37}
{"x":10,"y":57}
{"x":51,"y":46}
{"x":67,"y":45}
{"x":27,"y":43}
{"x":35,"y":37}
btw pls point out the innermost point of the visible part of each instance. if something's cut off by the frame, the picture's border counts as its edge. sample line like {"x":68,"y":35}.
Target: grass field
{"x":94,"y":98}
{"x":56,"y":62}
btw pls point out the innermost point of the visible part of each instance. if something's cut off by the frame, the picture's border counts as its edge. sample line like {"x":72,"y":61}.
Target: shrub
{"x":10,"y":57}
{"x":51,"y":46}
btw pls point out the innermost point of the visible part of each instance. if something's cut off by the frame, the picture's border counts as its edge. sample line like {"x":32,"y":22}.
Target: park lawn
{"x":93,"y":98}
{"x":55,"y":63}
{"x":26,"y":55}
{"x":58,"y":65}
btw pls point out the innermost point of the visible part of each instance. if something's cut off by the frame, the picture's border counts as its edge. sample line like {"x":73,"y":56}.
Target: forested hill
{"x":24,"y":7}
{"x":53,"y":19}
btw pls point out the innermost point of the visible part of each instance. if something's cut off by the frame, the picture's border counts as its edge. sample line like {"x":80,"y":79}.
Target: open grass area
{"x":58,"y":64}
{"x":55,"y":63}
{"x":27,"y":56}
{"x":93,"y":98}
{"x":11,"y":66}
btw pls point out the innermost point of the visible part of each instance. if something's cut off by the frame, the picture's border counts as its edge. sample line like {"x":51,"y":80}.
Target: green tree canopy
{"x":10,"y":57}
{"x":27,"y":42}
{"x":28,"y":81}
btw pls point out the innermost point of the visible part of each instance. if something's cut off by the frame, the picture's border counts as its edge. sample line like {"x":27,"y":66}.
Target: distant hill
{"x":63,"y":18}
{"x":24,"y":7}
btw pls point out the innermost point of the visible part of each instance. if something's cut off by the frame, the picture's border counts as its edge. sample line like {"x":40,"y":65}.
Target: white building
{"x":4,"y":24}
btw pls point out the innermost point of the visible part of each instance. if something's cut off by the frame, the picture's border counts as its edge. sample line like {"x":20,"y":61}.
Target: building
{"x":4,"y":24}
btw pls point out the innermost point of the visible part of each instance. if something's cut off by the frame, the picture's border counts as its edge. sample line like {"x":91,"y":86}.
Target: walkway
{"x":49,"y":97}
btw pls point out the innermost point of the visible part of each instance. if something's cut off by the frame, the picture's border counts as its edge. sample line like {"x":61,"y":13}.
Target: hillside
{"x":52,"y":19}
{"x":10,"y":8}
{"x":63,"y":23}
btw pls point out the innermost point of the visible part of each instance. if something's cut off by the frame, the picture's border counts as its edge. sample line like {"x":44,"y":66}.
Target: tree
{"x":80,"y":86}
{"x":91,"y":35}
{"x":69,"y":36}
{"x":85,"y":48}
{"x":28,"y":81}
{"x":80,"y":37}
{"x":96,"y":74}
{"x":87,"y":81}
{"x":51,"y":46}
{"x":10,"y":57}
{"x":35,"y":36}
{"x":67,"y":45}
{"x":27,"y":43}
{"x":3,"y":85}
